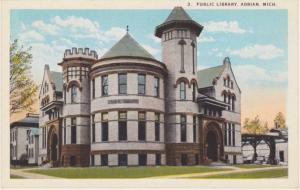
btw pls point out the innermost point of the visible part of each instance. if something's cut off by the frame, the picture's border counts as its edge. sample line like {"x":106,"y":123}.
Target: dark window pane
{"x":156,"y":86}
{"x":142,"y":159}
{"x":157,"y":127}
{"x":104,"y":83}
{"x":122,"y":130}
{"x":73,"y":134}
{"x":104,"y":131}
{"x":104,"y":159}
{"x":141,"y":84}
{"x":142,"y":131}
{"x":158,"y":159}
{"x":122,"y":159}
{"x":122,"y":80}
{"x":183,"y":128}
{"x":184,"y":159}
{"x":93,"y":132}
{"x":92,"y":160}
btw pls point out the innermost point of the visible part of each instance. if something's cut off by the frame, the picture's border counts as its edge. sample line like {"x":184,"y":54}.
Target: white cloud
{"x":31,"y":35}
{"x":75,"y":23}
{"x":47,"y":28}
{"x":224,"y":26}
{"x":251,"y":73}
{"x":151,"y":50}
{"x":206,"y":39}
{"x":267,"y":51}
{"x":115,"y":32}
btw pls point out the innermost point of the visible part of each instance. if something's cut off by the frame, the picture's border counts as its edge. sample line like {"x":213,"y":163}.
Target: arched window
{"x":73,"y":93}
{"x":182,"y":90}
{"x":225,"y":96}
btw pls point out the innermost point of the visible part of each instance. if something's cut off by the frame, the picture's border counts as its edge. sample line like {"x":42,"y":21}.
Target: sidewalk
{"x":234,"y":170}
{"x":26,"y":175}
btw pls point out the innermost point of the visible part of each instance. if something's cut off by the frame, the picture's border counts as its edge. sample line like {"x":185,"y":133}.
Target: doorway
{"x":212,"y":146}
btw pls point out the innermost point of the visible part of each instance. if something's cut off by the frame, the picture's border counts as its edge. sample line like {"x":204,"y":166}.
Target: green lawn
{"x":252,"y":175}
{"x":117,"y":172}
{"x":251,"y":166}
{"x":16,"y":177}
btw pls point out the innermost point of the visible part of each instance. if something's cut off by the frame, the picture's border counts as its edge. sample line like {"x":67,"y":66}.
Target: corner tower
{"x":76,"y":66}
{"x":178,"y":35}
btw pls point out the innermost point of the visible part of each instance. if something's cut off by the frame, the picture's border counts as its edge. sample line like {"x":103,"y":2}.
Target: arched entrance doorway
{"x":212,"y":146}
{"x":53,"y":149}
{"x":213,"y":142}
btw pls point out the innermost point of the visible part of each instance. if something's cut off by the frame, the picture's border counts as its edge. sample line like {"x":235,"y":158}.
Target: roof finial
{"x":127,"y":28}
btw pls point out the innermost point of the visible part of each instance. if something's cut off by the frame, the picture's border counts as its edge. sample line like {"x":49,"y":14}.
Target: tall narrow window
{"x":156,"y":86}
{"x":93,"y":128}
{"x":104,"y":159}
{"x":182,"y":91}
{"x":73,"y":93}
{"x":142,"y":159}
{"x":229,"y":134}
{"x":158,"y":159}
{"x":104,"y":126}
{"x":65,"y":127}
{"x":122,"y":79}
{"x":193,"y":55}
{"x":225,"y":134}
{"x":229,"y":102}
{"x":233,"y":134}
{"x":122,"y":126}
{"x":73,"y":130}
{"x":183,"y":128}
{"x":122,"y":160}
{"x":104,"y":85}
{"x":182,"y":43}
{"x":232,"y":104}
{"x":157,"y":126}
{"x":194,"y":92}
{"x":92,"y":160}
{"x":142,"y":126}
{"x":65,"y":96}
{"x":93,"y":88}
{"x":194,"y":128}
{"x":141,"y":84}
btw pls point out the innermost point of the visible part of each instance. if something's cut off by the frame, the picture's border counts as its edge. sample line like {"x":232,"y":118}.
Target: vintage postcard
{"x":136,"y":94}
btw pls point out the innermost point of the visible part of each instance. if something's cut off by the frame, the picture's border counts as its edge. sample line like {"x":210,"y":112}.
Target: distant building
{"x":20,"y":137}
{"x":128,"y":108}
{"x":33,"y":146}
{"x":263,"y":149}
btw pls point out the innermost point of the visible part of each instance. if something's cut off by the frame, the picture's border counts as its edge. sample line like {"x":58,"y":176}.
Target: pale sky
{"x":256,"y":45}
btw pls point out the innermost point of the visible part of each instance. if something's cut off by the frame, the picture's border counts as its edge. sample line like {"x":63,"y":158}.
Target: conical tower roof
{"x":127,"y":47}
{"x":178,"y":18}
{"x":178,"y":13}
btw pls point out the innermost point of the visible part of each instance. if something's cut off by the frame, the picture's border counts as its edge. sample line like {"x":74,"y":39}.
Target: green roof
{"x":178,"y":18}
{"x":127,"y":46}
{"x":178,"y":13}
{"x":58,"y":80}
{"x":206,"y":76}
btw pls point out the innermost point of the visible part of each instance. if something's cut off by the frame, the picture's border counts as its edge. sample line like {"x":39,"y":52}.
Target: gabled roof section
{"x":57,"y":79}
{"x":127,"y":47}
{"x":178,"y":13}
{"x":206,"y":77}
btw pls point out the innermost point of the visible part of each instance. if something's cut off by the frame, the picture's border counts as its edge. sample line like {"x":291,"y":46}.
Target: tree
{"x":22,"y":87}
{"x":280,"y":120}
{"x":255,"y":126}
